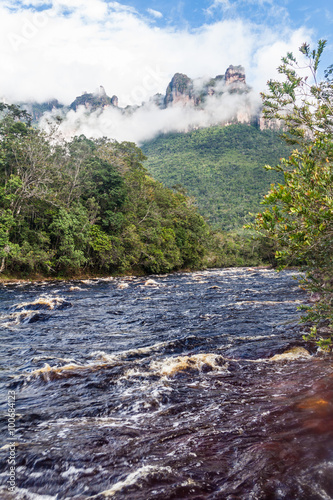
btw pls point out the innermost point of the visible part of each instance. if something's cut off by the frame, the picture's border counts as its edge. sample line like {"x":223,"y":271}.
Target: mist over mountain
{"x":187,"y":104}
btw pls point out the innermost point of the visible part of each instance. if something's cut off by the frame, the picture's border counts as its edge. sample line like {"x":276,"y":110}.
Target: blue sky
{"x":316,"y":15}
{"x":59,"y":48}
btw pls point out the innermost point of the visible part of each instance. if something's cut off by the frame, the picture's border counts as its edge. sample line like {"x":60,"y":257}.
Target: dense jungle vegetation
{"x":87,"y":206}
{"x":90,"y":207}
{"x":222,"y":167}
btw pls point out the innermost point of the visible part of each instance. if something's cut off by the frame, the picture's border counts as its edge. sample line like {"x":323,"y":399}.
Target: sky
{"x":61,"y":48}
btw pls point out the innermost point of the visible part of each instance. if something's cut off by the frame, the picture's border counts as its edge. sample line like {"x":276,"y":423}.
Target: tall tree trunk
{"x":2,"y":268}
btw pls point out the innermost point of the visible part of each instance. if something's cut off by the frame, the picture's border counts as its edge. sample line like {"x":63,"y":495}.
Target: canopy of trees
{"x":222,"y":167}
{"x":87,"y":206}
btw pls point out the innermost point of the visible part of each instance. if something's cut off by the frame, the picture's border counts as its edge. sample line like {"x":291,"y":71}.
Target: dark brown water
{"x":164,"y":390}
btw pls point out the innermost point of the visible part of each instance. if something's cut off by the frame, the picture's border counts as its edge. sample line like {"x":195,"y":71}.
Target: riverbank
{"x":36,"y":278}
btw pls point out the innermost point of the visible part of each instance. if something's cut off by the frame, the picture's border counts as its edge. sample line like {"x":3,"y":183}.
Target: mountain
{"x":93,"y":102}
{"x":224,"y":99}
{"x":222,"y":167}
{"x":183,"y":90}
{"x":37,"y":110}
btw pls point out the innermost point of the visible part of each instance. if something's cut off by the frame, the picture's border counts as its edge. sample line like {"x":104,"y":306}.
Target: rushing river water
{"x":164,"y":389}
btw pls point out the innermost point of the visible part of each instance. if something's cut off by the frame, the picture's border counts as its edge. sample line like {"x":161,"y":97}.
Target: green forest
{"x":221,"y":167}
{"x":90,"y":207}
{"x":87,"y":206}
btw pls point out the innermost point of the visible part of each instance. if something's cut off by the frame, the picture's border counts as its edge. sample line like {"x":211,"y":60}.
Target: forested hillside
{"x":222,"y":167}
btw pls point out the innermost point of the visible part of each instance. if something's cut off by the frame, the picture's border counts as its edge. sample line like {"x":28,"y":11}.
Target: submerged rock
{"x":30,"y":317}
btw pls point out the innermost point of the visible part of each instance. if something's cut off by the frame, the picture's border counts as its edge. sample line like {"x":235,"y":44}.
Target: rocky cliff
{"x":97,"y":100}
{"x":235,"y":75}
{"x":37,"y":109}
{"x":180,"y":90}
{"x":184,"y":91}
{"x":199,"y":94}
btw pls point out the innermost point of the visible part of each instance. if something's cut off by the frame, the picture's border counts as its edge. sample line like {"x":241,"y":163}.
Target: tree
{"x":299,"y":213}
{"x":87,"y":205}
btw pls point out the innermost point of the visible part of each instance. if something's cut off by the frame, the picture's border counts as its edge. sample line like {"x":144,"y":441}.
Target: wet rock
{"x":64,"y":305}
{"x":33,"y":318}
{"x":232,"y":366}
{"x":206,"y":368}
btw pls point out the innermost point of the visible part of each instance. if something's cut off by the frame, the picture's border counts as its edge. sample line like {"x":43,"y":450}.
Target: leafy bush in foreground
{"x":298,"y":215}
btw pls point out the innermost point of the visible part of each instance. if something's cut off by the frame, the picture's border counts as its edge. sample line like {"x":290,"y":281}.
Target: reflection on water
{"x":165,"y":388}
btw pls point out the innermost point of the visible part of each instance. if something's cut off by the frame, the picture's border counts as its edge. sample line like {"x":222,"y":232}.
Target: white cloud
{"x":217,"y":4}
{"x":74,"y":46}
{"x":155,"y":13}
{"x":265,"y":11}
{"x":227,"y":4}
{"x":149,"y":120}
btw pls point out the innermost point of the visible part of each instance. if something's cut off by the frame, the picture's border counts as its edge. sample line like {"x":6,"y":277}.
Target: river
{"x":163,"y":387}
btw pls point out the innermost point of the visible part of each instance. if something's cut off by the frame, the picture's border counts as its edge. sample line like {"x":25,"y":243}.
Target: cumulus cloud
{"x":71,"y":46}
{"x":62,"y":48}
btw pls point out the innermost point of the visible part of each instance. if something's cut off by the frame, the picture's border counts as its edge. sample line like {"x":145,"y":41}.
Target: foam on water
{"x":171,"y":366}
{"x":133,"y":478}
{"x":173,"y":389}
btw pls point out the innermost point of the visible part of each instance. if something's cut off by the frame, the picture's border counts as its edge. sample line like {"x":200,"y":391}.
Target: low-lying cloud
{"x":149,"y":120}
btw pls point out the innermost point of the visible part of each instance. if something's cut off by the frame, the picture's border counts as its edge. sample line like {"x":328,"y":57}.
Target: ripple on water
{"x":179,"y":386}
